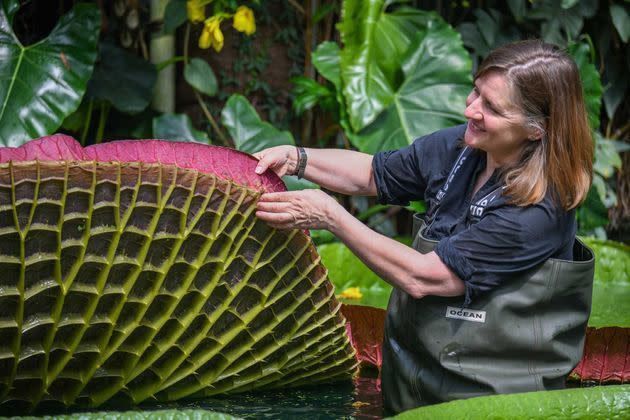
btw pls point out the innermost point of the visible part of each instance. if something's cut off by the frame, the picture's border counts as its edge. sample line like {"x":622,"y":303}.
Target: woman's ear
{"x":536,"y":134}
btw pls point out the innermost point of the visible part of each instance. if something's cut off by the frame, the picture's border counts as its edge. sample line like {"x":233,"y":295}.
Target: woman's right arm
{"x":343,"y":171}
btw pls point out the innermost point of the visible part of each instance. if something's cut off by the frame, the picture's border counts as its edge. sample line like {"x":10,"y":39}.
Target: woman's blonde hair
{"x":547,"y":88}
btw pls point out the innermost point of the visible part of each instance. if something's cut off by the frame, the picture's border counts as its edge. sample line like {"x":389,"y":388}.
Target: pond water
{"x":360,"y":399}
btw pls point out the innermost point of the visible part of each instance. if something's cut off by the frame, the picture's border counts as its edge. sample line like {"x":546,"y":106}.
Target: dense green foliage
{"x":398,"y":73}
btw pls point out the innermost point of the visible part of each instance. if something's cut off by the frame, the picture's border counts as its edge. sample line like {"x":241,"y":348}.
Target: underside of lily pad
{"x":126,"y":281}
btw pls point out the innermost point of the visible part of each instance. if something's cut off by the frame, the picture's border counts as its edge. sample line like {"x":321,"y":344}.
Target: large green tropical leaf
{"x":249,"y":132}
{"x":124,"y":281}
{"x":327,"y":61}
{"x":123,"y":79}
{"x":404,"y":74}
{"x":177,"y":127}
{"x":432,"y":96}
{"x":43,"y":83}
{"x":366,"y":88}
{"x":200,"y":76}
{"x":490,"y":30}
{"x":562,"y":24}
{"x":591,"y":82}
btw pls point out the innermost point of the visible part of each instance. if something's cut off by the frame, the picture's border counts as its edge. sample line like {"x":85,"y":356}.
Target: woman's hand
{"x":280,"y":159}
{"x":305,"y":209}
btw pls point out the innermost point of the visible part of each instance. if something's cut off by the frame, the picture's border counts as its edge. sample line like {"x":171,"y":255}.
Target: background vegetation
{"x":368,"y":75}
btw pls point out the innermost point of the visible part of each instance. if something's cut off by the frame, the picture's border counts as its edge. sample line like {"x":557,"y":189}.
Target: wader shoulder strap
{"x":477,"y":208}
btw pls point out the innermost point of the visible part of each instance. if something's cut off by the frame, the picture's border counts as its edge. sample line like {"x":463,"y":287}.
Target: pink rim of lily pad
{"x":222,"y":161}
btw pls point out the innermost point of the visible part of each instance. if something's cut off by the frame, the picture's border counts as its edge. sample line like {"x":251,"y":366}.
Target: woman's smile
{"x":474,"y":127}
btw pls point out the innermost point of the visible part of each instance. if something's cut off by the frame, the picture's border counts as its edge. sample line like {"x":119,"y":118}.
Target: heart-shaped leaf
{"x":404,"y":74}
{"x":562,"y":24}
{"x":177,"y":127}
{"x":174,"y":15}
{"x":621,"y":20}
{"x":200,"y":76}
{"x":432,"y":96}
{"x":327,"y":62}
{"x":123,"y":79}
{"x":249,"y":132}
{"x":43,"y":83}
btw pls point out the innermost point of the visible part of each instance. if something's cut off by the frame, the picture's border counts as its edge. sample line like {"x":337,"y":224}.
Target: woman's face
{"x":495,"y":123}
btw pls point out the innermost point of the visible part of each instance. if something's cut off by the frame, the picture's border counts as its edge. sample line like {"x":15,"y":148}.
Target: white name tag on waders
{"x":465,"y":314}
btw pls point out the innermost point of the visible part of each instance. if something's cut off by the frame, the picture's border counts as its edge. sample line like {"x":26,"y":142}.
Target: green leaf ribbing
{"x":128,"y":281}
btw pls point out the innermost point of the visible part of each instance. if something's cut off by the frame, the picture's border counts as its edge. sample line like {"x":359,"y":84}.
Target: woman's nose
{"x":472,"y":110}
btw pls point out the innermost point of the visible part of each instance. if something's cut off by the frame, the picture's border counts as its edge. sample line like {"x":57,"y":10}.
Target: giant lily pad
{"x":346,"y":271}
{"x":611,"y":292}
{"x":606,"y":358}
{"x":136,"y":270}
{"x":42,"y":84}
{"x":599,"y":402}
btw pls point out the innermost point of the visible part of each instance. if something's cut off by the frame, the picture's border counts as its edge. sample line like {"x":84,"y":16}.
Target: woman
{"x":494,"y":295}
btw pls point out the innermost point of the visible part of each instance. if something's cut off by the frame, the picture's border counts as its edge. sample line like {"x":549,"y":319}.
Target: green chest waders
{"x":526,"y":335}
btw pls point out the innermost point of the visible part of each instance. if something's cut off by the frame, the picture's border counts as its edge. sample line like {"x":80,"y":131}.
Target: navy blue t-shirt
{"x":485,"y":251}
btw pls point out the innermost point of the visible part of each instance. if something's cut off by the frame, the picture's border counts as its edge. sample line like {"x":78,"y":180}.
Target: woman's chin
{"x":470,"y":139}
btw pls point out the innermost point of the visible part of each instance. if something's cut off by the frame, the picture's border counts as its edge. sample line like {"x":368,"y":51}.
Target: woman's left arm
{"x":417,"y":274}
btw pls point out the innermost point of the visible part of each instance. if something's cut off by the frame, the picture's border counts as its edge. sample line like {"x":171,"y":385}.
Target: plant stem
{"x":619,"y":133}
{"x":164,"y":64}
{"x":224,"y":139}
{"x":162,"y":49}
{"x":297,"y":6}
{"x":186,"y":41}
{"x":102,"y":120}
{"x":86,"y":126}
{"x":310,"y":41}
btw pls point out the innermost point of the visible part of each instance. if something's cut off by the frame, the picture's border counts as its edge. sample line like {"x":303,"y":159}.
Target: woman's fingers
{"x":272,"y":217}
{"x":282,"y":196}
{"x":306,"y":209}
{"x":272,"y":206}
{"x":274,"y":158}
{"x":263,"y":163}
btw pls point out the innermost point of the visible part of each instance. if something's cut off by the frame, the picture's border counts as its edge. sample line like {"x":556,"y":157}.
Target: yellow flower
{"x":244,"y":20}
{"x":211,"y":36}
{"x":196,"y":10}
{"x":351,"y":293}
